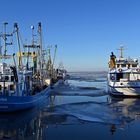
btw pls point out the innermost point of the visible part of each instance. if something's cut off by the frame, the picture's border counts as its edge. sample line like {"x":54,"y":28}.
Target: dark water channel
{"x":78,"y":109}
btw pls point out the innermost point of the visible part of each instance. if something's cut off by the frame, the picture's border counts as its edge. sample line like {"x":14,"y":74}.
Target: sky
{"x":85,"y":31}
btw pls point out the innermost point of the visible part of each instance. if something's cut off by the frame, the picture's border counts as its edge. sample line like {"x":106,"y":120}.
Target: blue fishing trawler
{"x":24,"y":77}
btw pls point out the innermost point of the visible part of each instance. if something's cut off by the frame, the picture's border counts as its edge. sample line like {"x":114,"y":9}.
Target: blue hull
{"x":17,"y":103}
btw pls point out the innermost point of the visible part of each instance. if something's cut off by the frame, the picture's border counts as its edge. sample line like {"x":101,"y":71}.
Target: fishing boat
{"x":24,"y":78}
{"x":61,"y":72}
{"x":123,"y":76}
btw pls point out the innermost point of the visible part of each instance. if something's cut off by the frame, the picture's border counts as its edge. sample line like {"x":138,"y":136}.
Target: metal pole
{"x":18,"y":43}
{"x":5,"y":23}
{"x":54,"y":55}
{"x":14,"y":61}
{"x":40,"y":52}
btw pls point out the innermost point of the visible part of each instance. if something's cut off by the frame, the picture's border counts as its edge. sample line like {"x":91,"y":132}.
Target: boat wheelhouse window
{"x":2,"y":78}
{"x":0,"y":87}
{"x":12,"y":87}
{"x":126,"y":76}
{"x":119,"y":76}
{"x":123,"y":65}
{"x":134,"y":65}
{"x":12,"y":78}
{"x":122,"y":76}
{"x":6,"y":78}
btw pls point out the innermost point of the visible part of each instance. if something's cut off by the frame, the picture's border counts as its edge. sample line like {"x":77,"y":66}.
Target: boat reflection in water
{"x":28,"y":124}
{"x":38,"y":123}
{"x":127,"y":110}
{"x":129,"y":107}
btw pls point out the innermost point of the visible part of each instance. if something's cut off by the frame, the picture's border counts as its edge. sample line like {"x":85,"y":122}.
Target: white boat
{"x":123,"y":76}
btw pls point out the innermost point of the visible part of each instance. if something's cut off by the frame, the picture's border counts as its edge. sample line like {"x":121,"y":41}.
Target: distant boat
{"x":123,"y":76}
{"x":61,"y":72}
{"x":25,"y":81}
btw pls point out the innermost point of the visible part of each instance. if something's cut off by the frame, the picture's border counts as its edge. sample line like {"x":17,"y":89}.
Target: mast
{"x":33,"y":46}
{"x":40,"y":42}
{"x":121,"y":51}
{"x":49,"y":63}
{"x":40,"y":49}
{"x":18,"y":43}
{"x":32,"y":27}
{"x":54,"y":55}
{"x":5,"y":23}
{"x":5,"y":35}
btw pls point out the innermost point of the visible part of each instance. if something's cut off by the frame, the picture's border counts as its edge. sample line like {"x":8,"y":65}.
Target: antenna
{"x":121,"y":51}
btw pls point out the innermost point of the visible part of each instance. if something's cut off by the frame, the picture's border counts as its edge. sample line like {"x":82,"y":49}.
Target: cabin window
{"x":6,"y":78}
{"x":122,"y":76}
{"x":2,"y":78}
{"x":119,"y":76}
{"x":134,"y":65}
{"x":12,"y":78}
{"x":126,"y":76}
{"x":0,"y":87}
{"x":123,"y":65}
{"x":12,"y":87}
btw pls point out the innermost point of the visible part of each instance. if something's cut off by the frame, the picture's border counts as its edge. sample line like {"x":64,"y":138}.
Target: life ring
{"x":112,"y":78}
{"x":120,"y":70}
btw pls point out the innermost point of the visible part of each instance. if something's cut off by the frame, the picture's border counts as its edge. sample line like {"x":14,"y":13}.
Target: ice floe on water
{"x":89,"y":101}
{"x":108,"y":113}
{"x":75,"y":88}
{"x":88,"y":76}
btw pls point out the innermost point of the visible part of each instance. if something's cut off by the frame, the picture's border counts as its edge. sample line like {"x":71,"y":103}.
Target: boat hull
{"x":124,"y":91}
{"x":17,"y":103}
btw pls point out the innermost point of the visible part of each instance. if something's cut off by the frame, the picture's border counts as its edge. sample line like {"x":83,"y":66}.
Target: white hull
{"x":124,"y":91}
{"x":123,"y":76}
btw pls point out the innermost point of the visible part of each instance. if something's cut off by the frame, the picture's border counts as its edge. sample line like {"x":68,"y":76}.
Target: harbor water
{"x":80,"y":108}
